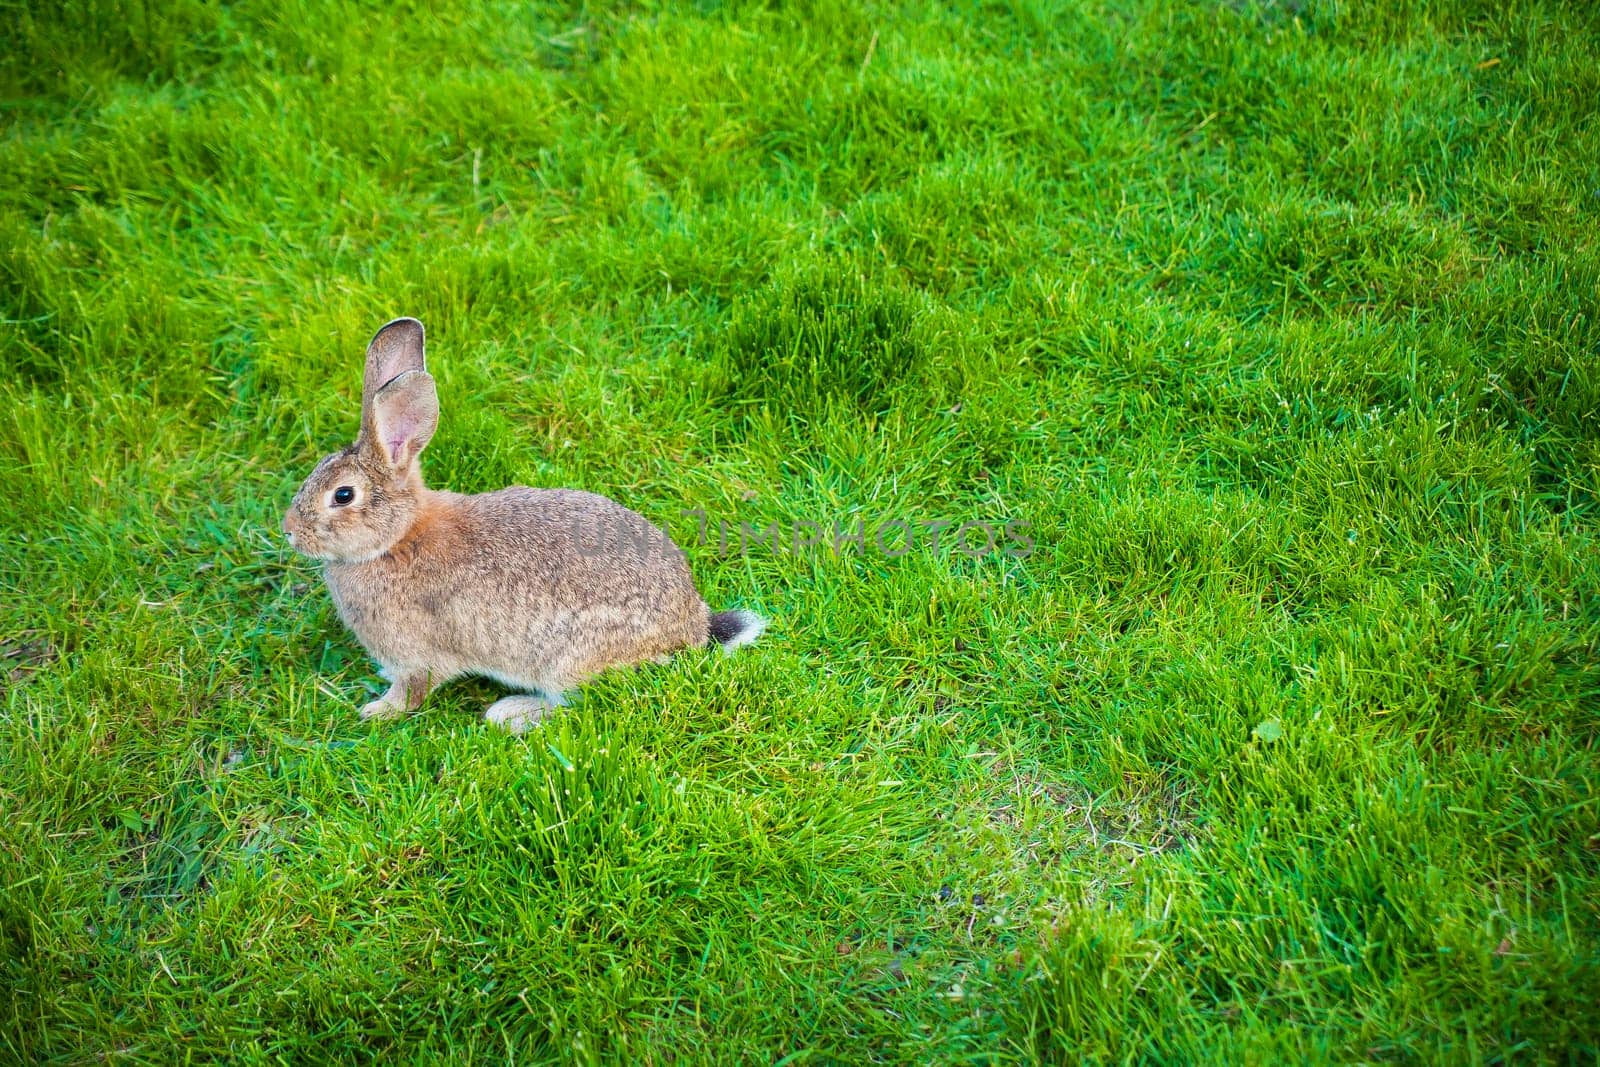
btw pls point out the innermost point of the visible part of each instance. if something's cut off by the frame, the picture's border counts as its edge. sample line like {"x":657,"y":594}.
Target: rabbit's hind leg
{"x":520,"y":713}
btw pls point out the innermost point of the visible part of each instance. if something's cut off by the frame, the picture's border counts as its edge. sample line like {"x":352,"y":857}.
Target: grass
{"x":1277,"y":324}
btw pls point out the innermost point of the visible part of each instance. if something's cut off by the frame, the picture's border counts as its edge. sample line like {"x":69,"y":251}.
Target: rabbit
{"x":538,"y":589}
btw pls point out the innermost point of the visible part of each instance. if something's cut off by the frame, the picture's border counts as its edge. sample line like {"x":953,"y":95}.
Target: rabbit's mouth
{"x":309,"y":549}
{"x":321,"y":557}
{"x":301,"y":543}
{"x":306,"y":544}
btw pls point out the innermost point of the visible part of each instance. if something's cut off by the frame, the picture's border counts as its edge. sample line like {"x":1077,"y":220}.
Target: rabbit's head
{"x":357,"y":503}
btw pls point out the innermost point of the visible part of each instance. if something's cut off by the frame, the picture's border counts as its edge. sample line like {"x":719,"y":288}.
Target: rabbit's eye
{"x":343,"y":495}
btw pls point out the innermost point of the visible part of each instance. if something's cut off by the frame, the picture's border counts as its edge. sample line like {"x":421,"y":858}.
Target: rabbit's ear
{"x":402,"y":418}
{"x":393,"y":350}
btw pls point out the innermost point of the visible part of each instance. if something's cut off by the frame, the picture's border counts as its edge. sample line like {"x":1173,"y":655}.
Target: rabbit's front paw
{"x":382,"y":708}
{"x":407,"y":693}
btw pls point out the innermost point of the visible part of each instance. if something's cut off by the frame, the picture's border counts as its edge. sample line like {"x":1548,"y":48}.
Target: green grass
{"x":1277,"y":322}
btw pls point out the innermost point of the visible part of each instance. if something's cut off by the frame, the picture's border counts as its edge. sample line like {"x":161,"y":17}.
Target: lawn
{"x":1263,"y":338}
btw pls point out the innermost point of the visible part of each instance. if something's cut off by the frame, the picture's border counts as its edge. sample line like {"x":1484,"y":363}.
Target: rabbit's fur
{"x":538,"y":589}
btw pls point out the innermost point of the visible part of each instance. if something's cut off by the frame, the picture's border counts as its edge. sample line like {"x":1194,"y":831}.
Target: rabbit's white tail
{"x":735,"y":629}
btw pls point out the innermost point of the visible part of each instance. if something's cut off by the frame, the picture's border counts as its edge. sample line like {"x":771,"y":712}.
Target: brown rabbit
{"x":538,"y":589}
